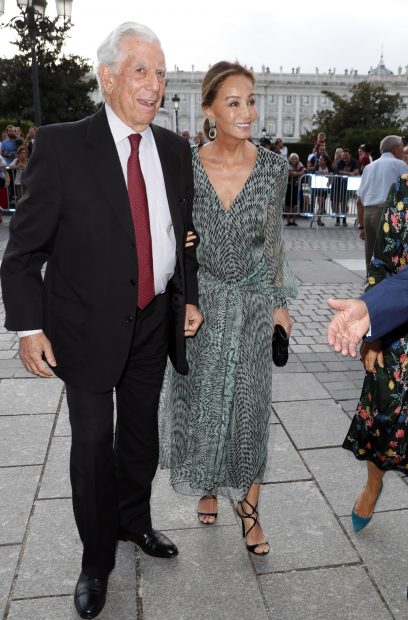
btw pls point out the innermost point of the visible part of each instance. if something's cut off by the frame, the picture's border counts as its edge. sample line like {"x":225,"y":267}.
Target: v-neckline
{"x":226,"y":209}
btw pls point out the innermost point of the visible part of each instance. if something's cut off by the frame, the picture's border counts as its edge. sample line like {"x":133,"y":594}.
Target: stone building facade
{"x":286,"y":102}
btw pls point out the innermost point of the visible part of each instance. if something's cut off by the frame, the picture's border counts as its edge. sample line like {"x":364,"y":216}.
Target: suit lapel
{"x":104,"y":165}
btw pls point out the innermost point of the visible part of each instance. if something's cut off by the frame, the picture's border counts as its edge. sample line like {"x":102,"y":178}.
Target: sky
{"x":275,"y":33}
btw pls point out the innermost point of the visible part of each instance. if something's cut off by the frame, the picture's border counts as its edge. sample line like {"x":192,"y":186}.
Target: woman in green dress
{"x":214,"y":422}
{"x":379,"y":430}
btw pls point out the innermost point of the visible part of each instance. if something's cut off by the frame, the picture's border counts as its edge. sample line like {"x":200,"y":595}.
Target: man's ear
{"x":106,"y":78}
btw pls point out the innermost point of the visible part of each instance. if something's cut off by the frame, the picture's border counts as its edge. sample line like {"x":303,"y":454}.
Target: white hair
{"x":110,"y":53}
{"x":388,"y":142}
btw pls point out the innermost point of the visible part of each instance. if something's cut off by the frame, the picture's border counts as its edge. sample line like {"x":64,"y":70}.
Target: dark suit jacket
{"x":75,"y":216}
{"x":387,"y":304}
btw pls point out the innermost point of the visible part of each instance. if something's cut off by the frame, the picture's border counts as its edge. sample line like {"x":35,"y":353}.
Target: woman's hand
{"x":190,"y":239}
{"x":371,"y":352}
{"x":281,"y":317}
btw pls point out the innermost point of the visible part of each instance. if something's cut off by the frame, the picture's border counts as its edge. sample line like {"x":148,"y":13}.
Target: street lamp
{"x":176,"y":103}
{"x":33,"y":10}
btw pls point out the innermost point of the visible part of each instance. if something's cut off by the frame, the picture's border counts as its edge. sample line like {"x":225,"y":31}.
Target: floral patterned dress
{"x":379,"y":429}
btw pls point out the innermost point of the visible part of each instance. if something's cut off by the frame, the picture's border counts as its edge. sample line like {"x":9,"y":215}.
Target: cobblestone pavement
{"x":317,"y":569}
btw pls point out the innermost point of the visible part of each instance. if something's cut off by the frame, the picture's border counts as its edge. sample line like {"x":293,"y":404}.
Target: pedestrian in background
{"x":375,"y":184}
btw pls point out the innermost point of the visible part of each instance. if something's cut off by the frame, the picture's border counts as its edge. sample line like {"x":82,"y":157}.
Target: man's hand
{"x":192,"y":321}
{"x":31,"y":349}
{"x":281,"y":317}
{"x":350,"y":323}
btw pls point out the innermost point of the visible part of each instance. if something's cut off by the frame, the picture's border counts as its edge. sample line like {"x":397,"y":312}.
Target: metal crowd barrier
{"x":317,"y":196}
{"x":9,"y":194}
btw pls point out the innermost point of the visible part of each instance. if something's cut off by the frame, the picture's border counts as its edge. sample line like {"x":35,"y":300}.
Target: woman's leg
{"x":256,"y":535}
{"x":366,"y":502}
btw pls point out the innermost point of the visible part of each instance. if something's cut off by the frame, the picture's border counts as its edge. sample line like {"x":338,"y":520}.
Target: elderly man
{"x":375,"y":184}
{"x":119,"y":293}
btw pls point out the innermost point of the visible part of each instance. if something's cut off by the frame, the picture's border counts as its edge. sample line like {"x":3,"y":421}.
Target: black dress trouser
{"x":112,"y":469}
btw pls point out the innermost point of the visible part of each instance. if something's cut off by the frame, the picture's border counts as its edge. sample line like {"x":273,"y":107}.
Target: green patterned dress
{"x":379,"y":429}
{"x":214,"y":422}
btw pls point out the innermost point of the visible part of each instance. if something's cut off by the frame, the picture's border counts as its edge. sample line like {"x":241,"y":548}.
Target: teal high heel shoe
{"x":359,"y":523}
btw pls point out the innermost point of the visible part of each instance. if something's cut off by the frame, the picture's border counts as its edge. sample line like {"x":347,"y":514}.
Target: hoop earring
{"x":212,"y":133}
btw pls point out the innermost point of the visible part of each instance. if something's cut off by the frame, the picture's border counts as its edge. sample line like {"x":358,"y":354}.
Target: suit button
{"x":133,"y":282}
{"x":133,"y":244}
{"x":129,"y":319}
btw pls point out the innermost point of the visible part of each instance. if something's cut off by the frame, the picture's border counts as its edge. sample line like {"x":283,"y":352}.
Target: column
{"x":279,"y":129}
{"x":297,"y":117}
{"x":192,"y":115}
{"x":261,"y":116}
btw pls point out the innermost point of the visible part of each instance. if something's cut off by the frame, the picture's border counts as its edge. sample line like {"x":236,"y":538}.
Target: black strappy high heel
{"x":208,"y":514}
{"x":254,"y":517}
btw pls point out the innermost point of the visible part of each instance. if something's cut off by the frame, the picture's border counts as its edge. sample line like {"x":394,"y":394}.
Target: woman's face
{"x":322,"y":162}
{"x":293,"y":161}
{"x":234,"y":108}
{"x":405,"y":154}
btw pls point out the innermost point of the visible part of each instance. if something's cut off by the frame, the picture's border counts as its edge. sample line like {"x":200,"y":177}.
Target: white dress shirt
{"x":161,"y":226}
{"x":378,"y":177}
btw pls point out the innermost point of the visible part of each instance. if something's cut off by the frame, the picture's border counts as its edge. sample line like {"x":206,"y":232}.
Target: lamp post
{"x":176,"y":103}
{"x":32,"y":11}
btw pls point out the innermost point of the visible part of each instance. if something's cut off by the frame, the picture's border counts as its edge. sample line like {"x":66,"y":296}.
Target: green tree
{"x":65,"y":81}
{"x":367,"y":115}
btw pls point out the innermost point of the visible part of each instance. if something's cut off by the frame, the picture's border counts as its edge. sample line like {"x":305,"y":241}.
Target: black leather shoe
{"x":90,"y":596}
{"x":153,"y":543}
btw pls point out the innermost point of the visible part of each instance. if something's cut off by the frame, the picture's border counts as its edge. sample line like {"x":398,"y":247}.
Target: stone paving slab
{"x":383,"y":546}
{"x":342,"y":477}
{"x":18,"y":396}
{"x":18,"y":486}
{"x":8,"y":564}
{"x":321,"y":271}
{"x":174,"y":511}
{"x":210,"y":579}
{"x":301,"y":529}
{"x":52,"y":558}
{"x":119,"y":606}
{"x":284,"y":463}
{"x":56,"y":481}
{"x":24,"y":439}
{"x":303,"y":386}
{"x":344,"y":593}
{"x":313,"y":423}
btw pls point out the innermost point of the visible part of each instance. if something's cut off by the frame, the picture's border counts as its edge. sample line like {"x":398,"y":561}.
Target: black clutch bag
{"x":280,"y":346}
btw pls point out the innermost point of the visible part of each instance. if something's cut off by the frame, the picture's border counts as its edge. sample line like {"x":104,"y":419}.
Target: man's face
{"x":135,"y":91}
{"x":11,"y":131}
{"x":398,"y":150}
{"x":346,"y":157}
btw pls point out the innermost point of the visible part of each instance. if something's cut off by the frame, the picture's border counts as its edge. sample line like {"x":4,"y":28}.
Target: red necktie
{"x":140,"y":216}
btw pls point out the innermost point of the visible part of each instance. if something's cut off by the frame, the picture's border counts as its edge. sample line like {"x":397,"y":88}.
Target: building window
{"x":288,"y":129}
{"x":323,"y":101}
{"x":306,"y":99}
{"x":271,"y":128}
{"x":271,"y":98}
{"x":288,"y":98}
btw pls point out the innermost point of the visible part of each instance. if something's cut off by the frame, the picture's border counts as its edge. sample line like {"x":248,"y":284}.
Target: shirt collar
{"x":388,"y":155}
{"x":120,"y":131}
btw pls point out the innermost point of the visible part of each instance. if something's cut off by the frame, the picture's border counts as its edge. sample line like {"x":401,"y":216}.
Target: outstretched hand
{"x":348,"y":326}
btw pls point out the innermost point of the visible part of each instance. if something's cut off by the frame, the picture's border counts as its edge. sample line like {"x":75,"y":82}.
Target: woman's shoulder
{"x":273,"y":159}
